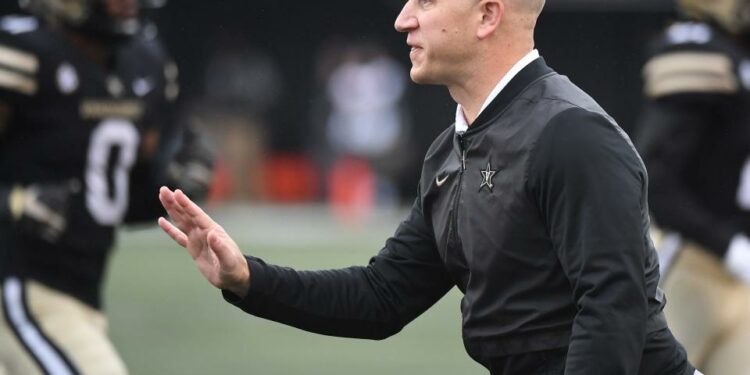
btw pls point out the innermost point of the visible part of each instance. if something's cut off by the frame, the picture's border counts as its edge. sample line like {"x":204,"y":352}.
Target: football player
{"x":86,"y":91}
{"x":695,"y":140}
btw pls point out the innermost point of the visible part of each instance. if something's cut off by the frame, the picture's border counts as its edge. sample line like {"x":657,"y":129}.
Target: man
{"x":85,"y":90}
{"x":695,"y":139}
{"x":533,"y":205}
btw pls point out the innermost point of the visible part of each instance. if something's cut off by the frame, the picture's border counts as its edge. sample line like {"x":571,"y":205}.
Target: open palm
{"x":215,"y":254}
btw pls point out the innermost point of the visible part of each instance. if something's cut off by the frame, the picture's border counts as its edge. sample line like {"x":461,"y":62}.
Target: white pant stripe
{"x":40,"y":348}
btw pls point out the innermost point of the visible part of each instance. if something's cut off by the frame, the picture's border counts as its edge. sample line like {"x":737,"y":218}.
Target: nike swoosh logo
{"x":439,"y":181}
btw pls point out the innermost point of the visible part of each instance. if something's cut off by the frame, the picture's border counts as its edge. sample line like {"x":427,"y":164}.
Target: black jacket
{"x":537,"y":214}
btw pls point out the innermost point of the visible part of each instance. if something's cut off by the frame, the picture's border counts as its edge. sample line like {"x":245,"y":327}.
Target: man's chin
{"x":420,"y":77}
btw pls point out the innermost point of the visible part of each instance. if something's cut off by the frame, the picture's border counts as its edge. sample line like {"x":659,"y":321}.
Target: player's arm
{"x":190,"y":160}
{"x":19,"y":77}
{"x":590,"y":188}
{"x":172,"y":154}
{"x":181,"y":159}
{"x":6,"y":110}
{"x":39,"y":209}
{"x":375,"y":301}
{"x":688,"y":93}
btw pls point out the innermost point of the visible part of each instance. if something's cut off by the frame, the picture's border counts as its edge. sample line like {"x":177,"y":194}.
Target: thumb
{"x":223,"y":246}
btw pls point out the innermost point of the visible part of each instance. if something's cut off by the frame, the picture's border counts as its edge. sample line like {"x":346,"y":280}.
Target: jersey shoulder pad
{"x":691,"y":58}
{"x":149,"y":51}
{"x":19,"y":63}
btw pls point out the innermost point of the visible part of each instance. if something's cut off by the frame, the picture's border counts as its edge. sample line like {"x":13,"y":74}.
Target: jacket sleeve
{"x":590,"y":186}
{"x":672,"y":131}
{"x":375,"y":301}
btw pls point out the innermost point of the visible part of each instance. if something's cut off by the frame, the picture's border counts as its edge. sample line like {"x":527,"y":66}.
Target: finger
{"x":165,"y":194}
{"x":234,"y":272}
{"x":186,"y":219}
{"x":166,"y":197}
{"x":174,"y":232}
{"x":199,"y":217}
{"x":224,"y":247}
{"x":178,"y":215}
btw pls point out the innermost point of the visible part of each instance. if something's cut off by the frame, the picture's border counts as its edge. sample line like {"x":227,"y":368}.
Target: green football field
{"x":165,"y":319}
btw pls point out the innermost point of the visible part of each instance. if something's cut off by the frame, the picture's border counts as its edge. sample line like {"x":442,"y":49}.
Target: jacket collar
{"x":527,"y":76}
{"x":461,"y":125}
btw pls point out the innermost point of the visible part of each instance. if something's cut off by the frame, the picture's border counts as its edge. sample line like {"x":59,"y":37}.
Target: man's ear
{"x":492,"y":12}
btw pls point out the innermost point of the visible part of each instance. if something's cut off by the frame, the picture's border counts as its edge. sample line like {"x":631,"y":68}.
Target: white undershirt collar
{"x":461,"y":124}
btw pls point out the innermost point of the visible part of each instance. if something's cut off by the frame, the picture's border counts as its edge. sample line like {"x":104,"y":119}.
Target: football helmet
{"x":732,"y":15}
{"x":106,"y":18}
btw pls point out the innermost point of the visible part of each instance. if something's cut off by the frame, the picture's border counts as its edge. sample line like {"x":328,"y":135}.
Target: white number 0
{"x":107,"y":180}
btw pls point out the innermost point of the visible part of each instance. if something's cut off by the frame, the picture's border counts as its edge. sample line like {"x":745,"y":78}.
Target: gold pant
{"x":708,"y":310}
{"x":45,"y":331}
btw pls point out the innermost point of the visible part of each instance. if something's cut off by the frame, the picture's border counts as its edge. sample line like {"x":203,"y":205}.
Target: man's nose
{"x":406,"y":20}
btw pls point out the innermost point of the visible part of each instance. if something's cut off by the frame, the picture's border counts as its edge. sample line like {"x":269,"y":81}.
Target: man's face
{"x":440,"y":38}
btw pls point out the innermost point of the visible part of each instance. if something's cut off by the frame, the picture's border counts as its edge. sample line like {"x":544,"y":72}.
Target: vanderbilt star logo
{"x":487,"y":175}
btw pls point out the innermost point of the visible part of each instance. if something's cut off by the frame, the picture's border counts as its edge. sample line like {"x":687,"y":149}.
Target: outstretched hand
{"x":217,"y":256}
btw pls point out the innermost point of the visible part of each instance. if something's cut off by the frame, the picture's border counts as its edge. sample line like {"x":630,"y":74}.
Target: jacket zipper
{"x":457,"y":200}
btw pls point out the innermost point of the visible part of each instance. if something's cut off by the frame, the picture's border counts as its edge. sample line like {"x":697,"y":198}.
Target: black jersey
{"x":695,"y":133}
{"x":67,"y":118}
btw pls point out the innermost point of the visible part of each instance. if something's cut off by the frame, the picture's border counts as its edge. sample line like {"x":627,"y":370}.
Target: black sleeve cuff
{"x":257,"y":284}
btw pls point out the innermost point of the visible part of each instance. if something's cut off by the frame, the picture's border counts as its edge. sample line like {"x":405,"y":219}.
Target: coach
{"x":534,"y":204}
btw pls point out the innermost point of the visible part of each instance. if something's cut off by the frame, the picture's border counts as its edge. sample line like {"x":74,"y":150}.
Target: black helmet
{"x":91,"y":16}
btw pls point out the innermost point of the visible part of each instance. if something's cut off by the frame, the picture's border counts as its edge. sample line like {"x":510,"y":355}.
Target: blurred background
{"x":311,"y":101}
{"x":320,"y":136}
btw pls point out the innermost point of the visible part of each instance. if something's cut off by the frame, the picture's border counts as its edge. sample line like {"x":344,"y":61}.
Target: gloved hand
{"x":41,"y":210}
{"x":191,"y":168}
{"x":737,"y":259}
